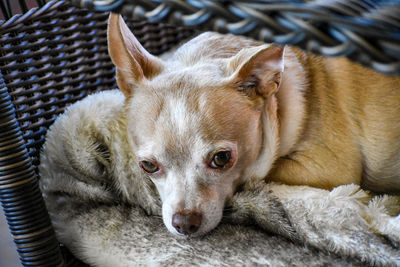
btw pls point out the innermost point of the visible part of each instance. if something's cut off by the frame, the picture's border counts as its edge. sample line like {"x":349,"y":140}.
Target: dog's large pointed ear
{"x":131,"y":59}
{"x":258,"y":70}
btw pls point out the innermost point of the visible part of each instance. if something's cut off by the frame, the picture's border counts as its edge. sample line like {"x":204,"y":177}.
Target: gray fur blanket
{"x":108,"y":212}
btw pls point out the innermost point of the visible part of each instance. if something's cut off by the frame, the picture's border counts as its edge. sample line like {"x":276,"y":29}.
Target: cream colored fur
{"x":97,"y":195}
{"x":214,"y":93}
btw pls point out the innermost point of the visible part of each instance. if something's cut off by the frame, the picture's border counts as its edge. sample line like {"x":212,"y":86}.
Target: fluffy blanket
{"x":108,"y":212}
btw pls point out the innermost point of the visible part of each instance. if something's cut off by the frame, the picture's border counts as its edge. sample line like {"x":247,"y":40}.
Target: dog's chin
{"x":204,"y":230}
{"x":199,"y":233}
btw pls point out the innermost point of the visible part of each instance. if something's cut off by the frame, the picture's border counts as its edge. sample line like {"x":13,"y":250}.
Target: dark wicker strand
{"x":20,"y":196}
{"x":7,"y":11}
{"x":365,"y":31}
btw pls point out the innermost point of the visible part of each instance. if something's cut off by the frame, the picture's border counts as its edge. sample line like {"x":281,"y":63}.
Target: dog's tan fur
{"x":351,"y":132}
{"x":286,"y":116}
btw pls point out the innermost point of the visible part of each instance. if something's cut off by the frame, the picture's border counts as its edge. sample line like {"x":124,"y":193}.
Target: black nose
{"x":186,"y":223}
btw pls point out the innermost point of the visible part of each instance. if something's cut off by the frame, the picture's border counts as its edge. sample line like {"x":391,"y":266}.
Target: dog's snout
{"x":186,"y":223}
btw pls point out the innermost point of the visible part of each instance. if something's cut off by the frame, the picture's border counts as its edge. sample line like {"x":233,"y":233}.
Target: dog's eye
{"x":220,"y":159}
{"x":148,"y":166}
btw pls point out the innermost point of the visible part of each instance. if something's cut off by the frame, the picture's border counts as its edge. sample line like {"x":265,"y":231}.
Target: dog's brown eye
{"x":149,"y":167}
{"x":220,"y":159}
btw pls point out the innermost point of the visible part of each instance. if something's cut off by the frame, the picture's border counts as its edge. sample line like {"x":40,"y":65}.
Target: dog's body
{"x":224,"y":111}
{"x":351,"y":130}
{"x":94,"y":189}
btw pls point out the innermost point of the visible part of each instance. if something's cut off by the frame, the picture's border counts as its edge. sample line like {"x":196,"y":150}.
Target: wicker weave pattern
{"x":363,"y":30}
{"x":26,"y":213}
{"x":57,"y":55}
{"x":49,"y":58}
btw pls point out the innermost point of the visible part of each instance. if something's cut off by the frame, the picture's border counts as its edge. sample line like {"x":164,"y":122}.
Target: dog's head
{"x":200,"y":123}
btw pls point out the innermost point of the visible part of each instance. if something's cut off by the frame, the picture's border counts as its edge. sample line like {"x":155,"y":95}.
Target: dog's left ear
{"x":258,"y":70}
{"x":133,"y":63}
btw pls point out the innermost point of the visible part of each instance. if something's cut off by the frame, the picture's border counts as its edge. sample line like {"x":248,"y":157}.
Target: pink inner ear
{"x":270,"y":59}
{"x":128,"y":54}
{"x":263,"y":70}
{"x":147,"y":62}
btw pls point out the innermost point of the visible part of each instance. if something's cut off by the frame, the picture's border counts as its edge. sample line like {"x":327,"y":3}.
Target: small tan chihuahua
{"x":224,"y":111}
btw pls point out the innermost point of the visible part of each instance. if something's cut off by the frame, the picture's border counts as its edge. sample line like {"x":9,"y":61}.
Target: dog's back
{"x":352,"y":131}
{"x":368,"y":105}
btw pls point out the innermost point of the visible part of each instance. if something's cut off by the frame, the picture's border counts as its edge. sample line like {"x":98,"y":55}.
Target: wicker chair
{"x":50,"y":57}
{"x":55,"y":55}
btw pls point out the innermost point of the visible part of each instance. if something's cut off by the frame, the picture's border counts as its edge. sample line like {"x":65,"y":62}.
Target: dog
{"x":225,"y":111}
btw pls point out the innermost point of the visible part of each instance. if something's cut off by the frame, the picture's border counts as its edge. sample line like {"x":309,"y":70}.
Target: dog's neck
{"x":291,"y":102}
{"x":282,"y":129}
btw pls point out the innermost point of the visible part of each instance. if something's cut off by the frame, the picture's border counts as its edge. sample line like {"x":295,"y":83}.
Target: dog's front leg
{"x":261,"y":207}
{"x":325,"y":171}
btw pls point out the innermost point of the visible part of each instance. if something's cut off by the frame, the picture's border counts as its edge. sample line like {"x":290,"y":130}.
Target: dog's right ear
{"x":133,"y":62}
{"x":258,"y":70}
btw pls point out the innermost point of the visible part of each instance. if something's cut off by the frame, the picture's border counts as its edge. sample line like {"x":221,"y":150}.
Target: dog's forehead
{"x":178,"y":127}
{"x":176,"y":100}
{"x":211,"y":72}
{"x":172,"y":134}
{"x":183,"y":118}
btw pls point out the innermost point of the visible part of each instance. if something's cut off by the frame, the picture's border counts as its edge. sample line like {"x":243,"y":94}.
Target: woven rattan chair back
{"x":50,"y":58}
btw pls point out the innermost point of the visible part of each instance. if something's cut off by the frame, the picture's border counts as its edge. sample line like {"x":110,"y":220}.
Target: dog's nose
{"x":186,"y":222}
